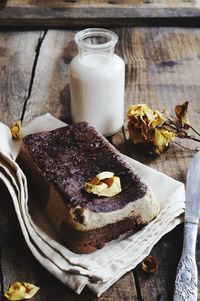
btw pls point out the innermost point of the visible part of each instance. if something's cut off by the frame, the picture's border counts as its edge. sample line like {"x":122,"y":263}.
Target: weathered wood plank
{"x":162,"y":67}
{"x":162,"y":70}
{"x":104,"y":3}
{"x":51,"y":94}
{"x":8,"y":219}
{"x":159,"y":286}
{"x":85,"y":12}
{"x":18,"y":264}
{"x":50,"y":91}
{"x":17,"y":53}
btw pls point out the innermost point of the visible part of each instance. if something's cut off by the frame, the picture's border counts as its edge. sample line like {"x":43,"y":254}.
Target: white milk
{"x":97,"y":90}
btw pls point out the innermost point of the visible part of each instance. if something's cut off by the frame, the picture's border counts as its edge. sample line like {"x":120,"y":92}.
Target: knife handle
{"x":186,"y":275}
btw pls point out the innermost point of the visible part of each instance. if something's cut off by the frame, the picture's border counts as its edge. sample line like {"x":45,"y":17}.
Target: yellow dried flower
{"x":161,"y":139}
{"x":145,"y":126}
{"x":20,"y":291}
{"x":144,"y":117}
{"x":16,"y":130}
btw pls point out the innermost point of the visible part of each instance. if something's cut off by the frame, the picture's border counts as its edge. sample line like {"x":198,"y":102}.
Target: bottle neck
{"x":89,"y":51}
{"x":96,"y":41}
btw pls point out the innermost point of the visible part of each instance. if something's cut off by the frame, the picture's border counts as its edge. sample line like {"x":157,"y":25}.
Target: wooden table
{"x":162,"y":69}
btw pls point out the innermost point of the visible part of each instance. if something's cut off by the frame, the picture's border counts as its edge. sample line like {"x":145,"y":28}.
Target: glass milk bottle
{"x":97,"y":81}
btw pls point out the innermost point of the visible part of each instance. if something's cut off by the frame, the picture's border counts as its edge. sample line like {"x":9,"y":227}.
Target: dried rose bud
{"x":150,"y":265}
{"x":181,"y":112}
{"x":16,"y":130}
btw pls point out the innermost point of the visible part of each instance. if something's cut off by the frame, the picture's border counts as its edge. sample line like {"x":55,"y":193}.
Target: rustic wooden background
{"x":162,"y":69}
{"x":62,"y":13}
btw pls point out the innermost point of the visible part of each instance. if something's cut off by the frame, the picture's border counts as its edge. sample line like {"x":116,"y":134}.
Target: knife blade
{"x":186,"y":275}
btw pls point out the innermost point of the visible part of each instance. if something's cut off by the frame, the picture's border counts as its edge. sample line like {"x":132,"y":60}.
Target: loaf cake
{"x":59,"y":163}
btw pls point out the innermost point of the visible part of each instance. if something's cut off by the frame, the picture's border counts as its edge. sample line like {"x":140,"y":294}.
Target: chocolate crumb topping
{"x":69,"y":157}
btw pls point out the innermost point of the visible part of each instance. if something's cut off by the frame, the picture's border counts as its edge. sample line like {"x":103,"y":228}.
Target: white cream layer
{"x":83,"y":219}
{"x":145,"y":208}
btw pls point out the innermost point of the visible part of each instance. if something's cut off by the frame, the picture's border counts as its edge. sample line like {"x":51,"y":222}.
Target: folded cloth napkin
{"x":102,"y":268}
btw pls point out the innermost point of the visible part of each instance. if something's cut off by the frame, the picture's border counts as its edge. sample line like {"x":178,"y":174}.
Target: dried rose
{"x":145,"y":127}
{"x":181,"y":112}
{"x":20,"y":291}
{"x":150,"y":265}
{"x":16,"y":130}
{"x":144,"y":118}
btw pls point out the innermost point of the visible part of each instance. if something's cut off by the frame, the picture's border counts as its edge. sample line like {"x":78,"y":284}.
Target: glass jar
{"x":97,"y":78}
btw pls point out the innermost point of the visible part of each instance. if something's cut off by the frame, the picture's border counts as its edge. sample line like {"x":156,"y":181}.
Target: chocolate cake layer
{"x":90,"y":241}
{"x":71,"y":156}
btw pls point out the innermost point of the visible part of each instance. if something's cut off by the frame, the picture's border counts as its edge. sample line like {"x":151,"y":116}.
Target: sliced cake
{"x":64,"y":169}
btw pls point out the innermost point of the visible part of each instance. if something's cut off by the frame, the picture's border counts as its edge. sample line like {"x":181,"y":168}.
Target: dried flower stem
{"x":192,"y":138}
{"x":194,"y":130}
{"x":187,"y":148}
{"x":170,"y":123}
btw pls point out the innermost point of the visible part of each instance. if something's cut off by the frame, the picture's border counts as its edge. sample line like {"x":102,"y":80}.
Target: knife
{"x":186,"y":274}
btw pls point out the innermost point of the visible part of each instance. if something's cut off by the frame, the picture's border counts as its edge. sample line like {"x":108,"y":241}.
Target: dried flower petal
{"x":182,"y":115}
{"x":145,"y":125}
{"x":142,"y":115}
{"x":150,"y":264}
{"x":20,"y":291}
{"x":135,"y":134}
{"x":16,"y":130}
{"x":161,"y":139}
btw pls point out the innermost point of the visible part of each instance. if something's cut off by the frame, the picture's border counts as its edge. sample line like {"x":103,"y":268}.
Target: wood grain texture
{"x":24,"y":267}
{"x":51,"y":83}
{"x":162,"y":69}
{"x":94,"y":13}
{"x":17,"y":53}
{"x":104,"y":3}
{"x":159,"y":286}
{"x":8,"y":219}
{"x":18,"y":264}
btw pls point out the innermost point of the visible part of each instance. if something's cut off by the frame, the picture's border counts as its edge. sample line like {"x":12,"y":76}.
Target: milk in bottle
{"x":97,"y":81}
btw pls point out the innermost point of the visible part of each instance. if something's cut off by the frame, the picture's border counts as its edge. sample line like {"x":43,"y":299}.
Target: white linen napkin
{"x":102,"y":268}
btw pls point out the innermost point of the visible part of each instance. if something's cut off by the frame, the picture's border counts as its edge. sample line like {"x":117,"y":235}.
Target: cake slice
{"x":59,"y":163}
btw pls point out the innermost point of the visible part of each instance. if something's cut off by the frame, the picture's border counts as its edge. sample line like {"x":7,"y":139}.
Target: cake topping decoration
{"x":104,"y":184}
